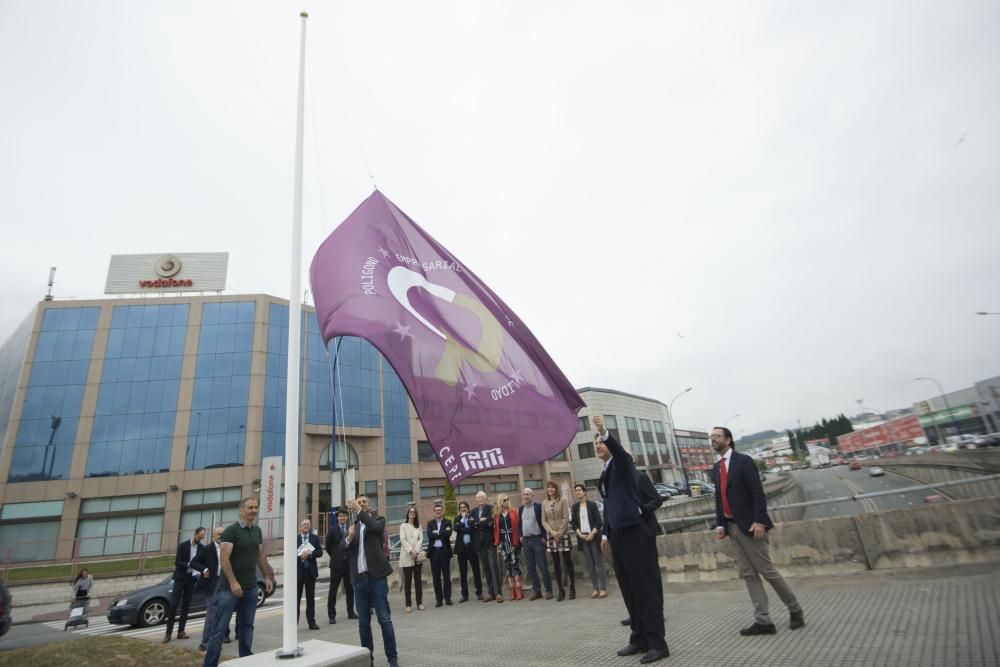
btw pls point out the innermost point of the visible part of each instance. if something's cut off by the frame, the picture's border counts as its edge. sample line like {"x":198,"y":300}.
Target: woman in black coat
{"x":587,"y":524}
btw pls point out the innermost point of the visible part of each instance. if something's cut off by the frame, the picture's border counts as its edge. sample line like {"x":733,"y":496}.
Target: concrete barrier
{"x":960,"y":532}
{"x":946,"y":467}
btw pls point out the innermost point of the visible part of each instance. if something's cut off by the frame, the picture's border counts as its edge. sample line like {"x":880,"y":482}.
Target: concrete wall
{"x":950,"y":533}
{"x":779,"y":489}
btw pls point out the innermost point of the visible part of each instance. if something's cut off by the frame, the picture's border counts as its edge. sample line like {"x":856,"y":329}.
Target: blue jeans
{"x":370,"y":593}
{"x":225,"y":604}
{"x":533,"y":549}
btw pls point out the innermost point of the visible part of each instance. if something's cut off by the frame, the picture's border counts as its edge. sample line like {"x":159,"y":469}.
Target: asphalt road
{"x":839,"y":481}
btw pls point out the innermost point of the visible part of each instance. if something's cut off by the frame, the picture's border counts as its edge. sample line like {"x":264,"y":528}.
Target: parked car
{"x":875,"y":471}
{"x":855,"y":465}
{"x":5,"y":605}
{"x":667,"y":490}
{"x":148,"y":606}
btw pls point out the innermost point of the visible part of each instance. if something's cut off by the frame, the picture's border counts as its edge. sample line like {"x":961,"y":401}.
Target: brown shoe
{"x":487,"y":598}
{"x":182,"y":635}
{"x":537,"y":595}
{"x":796,"y":621}
{"x":548,"y":595}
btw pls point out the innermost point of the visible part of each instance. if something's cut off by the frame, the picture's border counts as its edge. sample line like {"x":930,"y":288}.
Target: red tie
{"x":722,"y":483}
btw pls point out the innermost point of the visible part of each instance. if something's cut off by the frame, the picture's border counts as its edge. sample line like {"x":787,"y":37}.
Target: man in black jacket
{"x":309,"y":550}
{"x":184,"y":580}
{"x":633,"y":547}
{"x":467,"y":556}
{"x":340,"y":567}
{"x":482,"y":543}
{"x":741,"y":514}
{"x":209,"y":564}
{"x":370,"y":571}
{"x":439,"y":554}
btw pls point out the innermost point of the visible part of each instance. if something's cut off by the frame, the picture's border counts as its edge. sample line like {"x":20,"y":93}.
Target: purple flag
{"x":486,"y":392}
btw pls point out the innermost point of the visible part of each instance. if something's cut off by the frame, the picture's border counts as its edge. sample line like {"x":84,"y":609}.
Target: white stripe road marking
{"x":101,"y":626}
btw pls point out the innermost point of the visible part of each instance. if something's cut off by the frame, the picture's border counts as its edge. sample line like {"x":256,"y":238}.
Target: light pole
{"x":726,"y":423}
{"x":983,"y":312}
{"x":673,"y":433}
{"x":958,"y":430}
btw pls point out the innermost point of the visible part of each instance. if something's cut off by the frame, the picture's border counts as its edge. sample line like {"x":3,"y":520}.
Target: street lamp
{"x":983,"y":312}
{"x":726,"y":423}
{"x":673,"y":432}
{"x":958,"y":430}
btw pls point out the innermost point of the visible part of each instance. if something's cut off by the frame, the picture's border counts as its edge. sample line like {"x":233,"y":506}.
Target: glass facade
{"x":11,"y":362}
{"x":217,"y":430}
{"x":397,"y":417}
{"x":356,"y":373}
{"x":275,"y":383}
{"x":137,"y":401}
{"x":43,"y":447}
{"x":319,"y":371}
{"x":102,"y":535}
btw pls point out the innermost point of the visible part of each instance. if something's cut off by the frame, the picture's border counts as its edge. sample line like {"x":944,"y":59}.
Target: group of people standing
{"x":504,"y":542}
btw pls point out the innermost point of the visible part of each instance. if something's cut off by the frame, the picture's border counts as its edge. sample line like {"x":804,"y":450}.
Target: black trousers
{"x":336,"y":578}
{"x":308,"y":583}
{"x":180,"y":594}
{"x":441,"y":569}
{"x":465,"y":559}
{"x":633,"y":552}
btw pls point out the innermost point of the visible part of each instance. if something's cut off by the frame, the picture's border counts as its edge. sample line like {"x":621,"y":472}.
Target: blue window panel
{"x":241,"y":363}
{"x":239,"y":391}
{"x":245,"y":311}
{"x":227,"y":338}
{"x":141,"y":371}
{"x":227,"y":313}
{"x":154,"y":397}
{"x":204,"y":366}
{"x":130,"y":455}
{"x":133,"y":426}
{"x":210,"y":313}
{"x":177,"y":338}
{"x":161,"y":341}
{"x":70,"y":320}
{"x":39,"y":374}
{"x":223,"y":365}
{"x":220,"y":392}
{"x":115,"y":340}
{"x":78,"y":371}
{"x":147,"y":338}
{"x":158,"y":368}
{"x":130,"y":343}
{"x":244,"y":337}
{"x":208,"y":338}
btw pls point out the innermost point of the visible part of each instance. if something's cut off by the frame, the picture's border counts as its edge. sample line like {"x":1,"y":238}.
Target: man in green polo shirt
{"x":242,"y":553}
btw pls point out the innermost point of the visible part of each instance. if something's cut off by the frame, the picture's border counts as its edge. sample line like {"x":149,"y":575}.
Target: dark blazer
{"x":308,"y":567}
{"x":336,"y":546}
{"x":460,"y":532}
{"x":207,"y":559}
{"x":378,"y":564}
{"x":482,"y":531}
{"x":650,"y":501}
{"x":619,"y":487}
{"x":744,"y":492}
{"x":593,"y":517}
{"x":538,"y":519}
{"x":445,"y":535}
{"x":183,"y":560}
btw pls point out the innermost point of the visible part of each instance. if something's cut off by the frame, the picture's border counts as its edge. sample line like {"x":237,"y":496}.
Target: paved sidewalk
{"x":907,"y":617}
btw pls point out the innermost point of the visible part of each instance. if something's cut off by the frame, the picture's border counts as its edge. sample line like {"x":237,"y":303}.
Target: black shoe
{"x":227,"y":640}
{"x":479,"y":596}
{"x":796,"y":621}
{"x":654,"y":655}
{"x":626,"y":621}
{"x":333,"y":621}
{"x":439,"y":604}
{"x":562,"y":595}
{"x":202,"y":647}
{"x":572,"y":592}
{"x":465,"y":598}
{"x":759,"y":629}
{"x":313,"y":626}
{"x":352,"y":616}
{"x":630,"y":649}
{"x":448,"y":602}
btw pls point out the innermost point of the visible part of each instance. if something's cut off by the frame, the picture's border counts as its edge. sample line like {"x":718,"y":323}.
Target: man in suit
{"x":467,"y":556}
{"x":741,"y":515}
{"x":370,"y":572}
{"x":209,"y":563}
{"x":633,"y":548}
{"x":649,"y":501}
{"x":309,"y":550}
{"x":336,"y":547}
{"x":439,"y":553}
{"x":482,"y":544}
{"x":533,"y":545}
{"x":184,"y":580}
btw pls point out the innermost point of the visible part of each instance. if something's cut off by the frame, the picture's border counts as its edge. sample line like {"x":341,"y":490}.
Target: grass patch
{"x":101,"y":652}
{"x":49,"y":573}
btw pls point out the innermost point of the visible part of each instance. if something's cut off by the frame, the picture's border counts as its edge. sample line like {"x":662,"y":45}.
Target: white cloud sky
{"x":783,"y":184}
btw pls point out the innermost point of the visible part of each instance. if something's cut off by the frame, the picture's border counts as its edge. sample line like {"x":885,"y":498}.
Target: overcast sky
{"x":788,"y":208}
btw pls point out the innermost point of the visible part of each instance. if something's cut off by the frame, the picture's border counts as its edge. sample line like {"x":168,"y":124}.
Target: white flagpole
{"x":289,"y":644}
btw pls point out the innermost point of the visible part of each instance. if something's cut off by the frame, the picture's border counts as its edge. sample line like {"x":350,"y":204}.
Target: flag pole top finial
{"x":304,"y":15}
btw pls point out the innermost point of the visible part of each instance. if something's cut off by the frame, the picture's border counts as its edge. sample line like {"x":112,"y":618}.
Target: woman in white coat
{"x":411,"y":542}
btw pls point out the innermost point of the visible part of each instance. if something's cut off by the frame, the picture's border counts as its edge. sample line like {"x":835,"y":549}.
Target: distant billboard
{"x":904,"y":429}
{"x":181,"y":272}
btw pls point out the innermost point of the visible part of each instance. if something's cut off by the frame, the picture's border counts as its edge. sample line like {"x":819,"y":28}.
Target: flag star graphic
{"x":403,"y":331}
{"x":385,"y":253}
{"x":470,"y":391}
{"x":517,"y":377}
